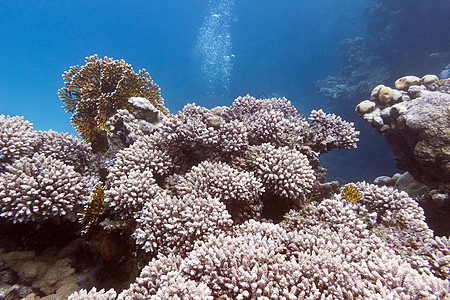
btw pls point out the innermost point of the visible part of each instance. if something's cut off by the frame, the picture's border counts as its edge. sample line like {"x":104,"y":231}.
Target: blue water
{"x":207,"y":52}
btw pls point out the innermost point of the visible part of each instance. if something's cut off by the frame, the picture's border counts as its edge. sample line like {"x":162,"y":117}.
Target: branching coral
{"x":128,"y":193}
{"x":94,"y":92}
{"x":197,"y":134}
{"x":269,"y":120}
{"x":167,"y":224}
{"x":66,"y":148}
{"x":284,"y":172}
{"x":261,"y":260}
{"x":92,"y":208}
{"x":17,"y":138}
{"x":39,"y":188}
{"x":351,"y":193}
{"x":332,"y":132}
{"x":238,"y":190}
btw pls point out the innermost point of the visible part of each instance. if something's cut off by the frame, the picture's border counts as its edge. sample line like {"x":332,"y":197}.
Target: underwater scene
{"x":225,"y":149}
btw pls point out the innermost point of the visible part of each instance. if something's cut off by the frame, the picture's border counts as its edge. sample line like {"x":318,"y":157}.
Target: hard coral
{"x":93,"y":208}
{"x":94,"y":92}
{"x":239,"y":190}
{"x":415,"y":124}
{"x":39,"y":188}
{"x":351,"y":193}
{"x":169,"y":224}
{"x":17,"y":138}
{"x":268,"y":120}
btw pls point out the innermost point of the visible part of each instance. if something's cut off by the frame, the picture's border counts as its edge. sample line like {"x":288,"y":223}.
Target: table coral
{"x":94,"y":92}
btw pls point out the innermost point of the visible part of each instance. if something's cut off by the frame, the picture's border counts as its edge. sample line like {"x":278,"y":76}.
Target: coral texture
{"x":268,"y":120}
{"x":125,"y":126}
{"x":128,"y":194}
{"x":283,"y":171}
{"x":224,"y":203}
{"x":238,"y":190}
{"x":168,"y":224}
{"x":17,"y":138}
{"x":332,"y":132}
{"x":40,"y":187}
{"x":415,"y":124}
{"x":67,"y":148}
{"x":94,"y":92}
{"x":93,"y":294}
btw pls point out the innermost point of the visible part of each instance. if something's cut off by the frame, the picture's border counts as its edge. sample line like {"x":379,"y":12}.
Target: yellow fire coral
{"x":94,"y":92}
{"x":351,"y":193}
{"x":92,"y":208}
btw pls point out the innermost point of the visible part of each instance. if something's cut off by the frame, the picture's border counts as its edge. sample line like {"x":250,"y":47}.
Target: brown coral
{"x":351,"y":193}
{"x":92,"y":208}
{"x":94,"y":92}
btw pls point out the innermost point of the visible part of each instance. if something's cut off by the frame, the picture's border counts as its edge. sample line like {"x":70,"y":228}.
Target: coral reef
{"x":391,"y":48}
{"x":40,"y":187}
{"x":17,"y":138}
{"x":49,"y":274}
{"x":362,"y":68}
{"x":168,"y":224}
{"x":93,"y":93}
{"x":221,"y":203}
{"x":414,"y":121}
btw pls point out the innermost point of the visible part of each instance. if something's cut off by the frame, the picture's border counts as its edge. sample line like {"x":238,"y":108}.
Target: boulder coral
{"x":415,"y":124}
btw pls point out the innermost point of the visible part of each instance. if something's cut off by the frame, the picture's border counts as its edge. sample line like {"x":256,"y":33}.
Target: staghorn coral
{"x":128,"y":193}
{"x":17,"y":138}
{"x":261,"y":260}
{"x":197,"y":134}
{"x":93,"y":294}
{"x":94,"y":92}
{"x":391,"y":205}
{"x":39,"y":188}
{"x":143,"y":155}
{"x":168,"y":224}
{"x":379,"y":247}
{"x":150,"y":285}
{"x":238,"y":190}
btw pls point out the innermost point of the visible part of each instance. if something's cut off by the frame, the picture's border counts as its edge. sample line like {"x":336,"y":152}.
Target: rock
{"x":405,"y":82}
{"x":406,"y":182}
{"x":365,"y":107}
{"x":385,"y":95}
{"x":418,"y":130}
{"x":429,"y":79}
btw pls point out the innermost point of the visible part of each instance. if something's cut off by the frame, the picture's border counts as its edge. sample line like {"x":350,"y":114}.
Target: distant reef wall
{"x":404,"y":37}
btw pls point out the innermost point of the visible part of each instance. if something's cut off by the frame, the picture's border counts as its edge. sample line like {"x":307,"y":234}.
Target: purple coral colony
{"x":221,"y":203}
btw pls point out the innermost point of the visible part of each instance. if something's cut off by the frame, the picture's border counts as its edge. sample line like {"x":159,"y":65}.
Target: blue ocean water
{"x":207,"y":52}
